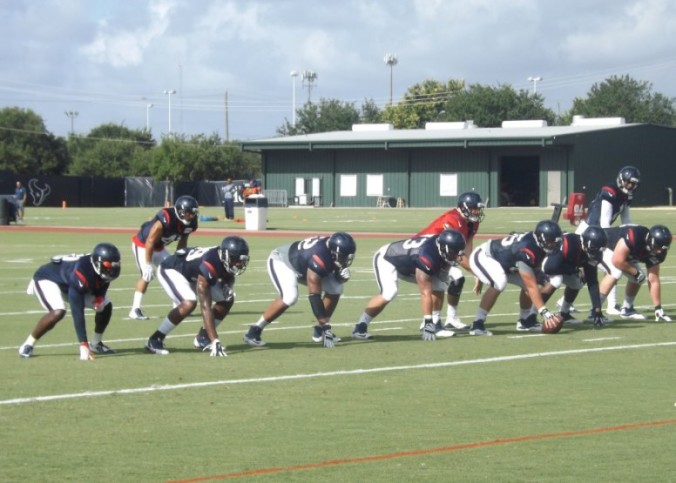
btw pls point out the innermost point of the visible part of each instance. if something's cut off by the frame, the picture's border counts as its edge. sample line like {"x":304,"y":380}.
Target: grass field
{"x":583,"y":405}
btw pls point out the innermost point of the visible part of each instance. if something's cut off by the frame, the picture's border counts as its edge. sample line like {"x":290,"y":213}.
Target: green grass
{"x":394,"y":408}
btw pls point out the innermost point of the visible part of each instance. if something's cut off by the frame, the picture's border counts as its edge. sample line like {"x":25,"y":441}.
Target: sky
{"x":82,"y":63}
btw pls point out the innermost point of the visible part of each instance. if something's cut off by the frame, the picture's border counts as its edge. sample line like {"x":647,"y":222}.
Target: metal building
{"x":522,"y":163}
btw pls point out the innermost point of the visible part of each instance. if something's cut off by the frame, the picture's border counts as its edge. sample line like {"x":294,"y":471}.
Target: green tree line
{"x":111,"y":150}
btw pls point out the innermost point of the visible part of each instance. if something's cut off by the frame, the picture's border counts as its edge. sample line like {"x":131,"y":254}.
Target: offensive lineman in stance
{"x":321,"y":263}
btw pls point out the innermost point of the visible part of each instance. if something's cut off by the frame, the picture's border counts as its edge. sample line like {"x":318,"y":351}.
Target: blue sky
{"x":108,"y":60}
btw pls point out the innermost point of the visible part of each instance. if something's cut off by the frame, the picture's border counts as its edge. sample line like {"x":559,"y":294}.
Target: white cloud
{"x":123,"y":48}
{"x":636,"y":31}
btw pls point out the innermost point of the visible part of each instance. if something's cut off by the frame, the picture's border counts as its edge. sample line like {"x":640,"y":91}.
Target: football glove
{"x":598,"y":319}
{"x":429,"y":331}
{"x":147,"y":272}
{"x":660,"y":315}
{"x":327,"y":337}
{"x":343,"y":275}
{"x":216,"y":349}
{"x":85,"y":353}
{"x":640,"y":276}
{"x":97,"y":304}
{"x":545,"y":314}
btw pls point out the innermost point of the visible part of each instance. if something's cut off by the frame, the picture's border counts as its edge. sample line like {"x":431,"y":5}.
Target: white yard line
{"x":293,"y":377}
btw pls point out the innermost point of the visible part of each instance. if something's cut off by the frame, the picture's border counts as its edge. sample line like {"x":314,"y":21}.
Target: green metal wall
{"x":596,"y":160}
{"x":471,"y":166}
{"x":579,"y":163}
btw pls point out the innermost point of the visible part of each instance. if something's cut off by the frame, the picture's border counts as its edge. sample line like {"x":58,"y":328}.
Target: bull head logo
{"x":37,"y":192}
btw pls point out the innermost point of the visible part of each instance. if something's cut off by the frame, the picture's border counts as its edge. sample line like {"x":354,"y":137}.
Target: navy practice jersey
{"x":619,"y":201}
{"x":312,"y":253}
{"x":417,"y":252}
{"x":517,"y":248}
{"x":570,"y":259}
{"x":636,"y":239}
{"x":75,"y":276}
{"x":172,"y":229}
{"x":196,"y":261}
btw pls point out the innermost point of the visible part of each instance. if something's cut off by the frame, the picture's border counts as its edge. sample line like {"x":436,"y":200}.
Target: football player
{"x":148,"y":245}
{"x":83,"y":281}
{"x":426,"y":261}
{"x":611,"y":201}
{"x":465,"y":218}
{"x":515,"y":259}
{"x":319,"y":262}
{"x":578,"y":252}
{"x":207,"y":275}
{"x":629,"y":246}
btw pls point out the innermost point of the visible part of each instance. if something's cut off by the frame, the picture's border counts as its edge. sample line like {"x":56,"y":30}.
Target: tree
{"x":422,"y":103}
{"x":329,"y":115}
{"x":111,"y":150}
{"x":628,"y":98}
{"x":179,"y":158}
{"x":26,"y":147}
{"x":488,"y":106}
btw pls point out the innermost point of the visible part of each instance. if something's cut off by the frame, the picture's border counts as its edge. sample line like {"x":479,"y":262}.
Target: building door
{"x":519,"y":181}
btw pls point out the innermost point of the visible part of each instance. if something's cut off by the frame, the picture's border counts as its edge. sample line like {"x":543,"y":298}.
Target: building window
{"x":374,"y":185}
{"x":348,"y":185}
{"x":448,"y":184}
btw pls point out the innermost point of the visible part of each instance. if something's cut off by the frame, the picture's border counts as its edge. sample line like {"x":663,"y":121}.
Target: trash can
{"x":4,"y":211}
{"x":255,"y":213}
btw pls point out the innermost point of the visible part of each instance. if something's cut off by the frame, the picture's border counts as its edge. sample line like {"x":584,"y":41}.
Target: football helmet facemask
{"x":234,"y":253}
{"x":342,"y":248}
{"x":628,"y":179}
{"x":186,"y":208}
{"x":106,"y":261}
{"x":471,"y":206}
{"x":548,"y":236}
{"x":594,"y":240}
{"x":451,"y":244}
{"x":659,"y":239}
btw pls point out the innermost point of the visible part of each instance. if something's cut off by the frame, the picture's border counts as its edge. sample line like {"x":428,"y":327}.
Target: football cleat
{"x":478,"y":328}
{"x":156,"y":346}
{"x":630,"y":313}
{"x":614,"y":310}
{"x":200,"y":341}
{"x":360,"y":331}
{"x":455,"y":323}
{"x":441,"y":332}
{"x":100,"y":348}
{"x":253,"y":336}
{"x":318,"y":335}
{"x":569,"y":319}
{"x":137,"y":314}
{"x":25,"y":351}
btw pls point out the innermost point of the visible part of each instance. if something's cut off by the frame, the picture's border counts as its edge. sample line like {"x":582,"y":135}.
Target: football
{"x":555,"y":329}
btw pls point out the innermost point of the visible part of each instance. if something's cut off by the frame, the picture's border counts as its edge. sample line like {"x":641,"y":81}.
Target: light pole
{"x":535,"y":81}
{"x":391,"y":60}
{"x":308,"y":77}
{"x":72,"y":115}
{"x":148,"y":107}
{"x":170,"y":92}
{"x":293,"y":74}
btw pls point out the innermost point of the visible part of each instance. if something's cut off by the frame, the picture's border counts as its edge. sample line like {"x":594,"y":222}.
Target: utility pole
{"x":227,"y":126}
{"x":308,"y":77}
{"x":391,"y":60}
{"x":535,"y":81}
{"x":72,"y":115}
{"x":169,"y":92}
